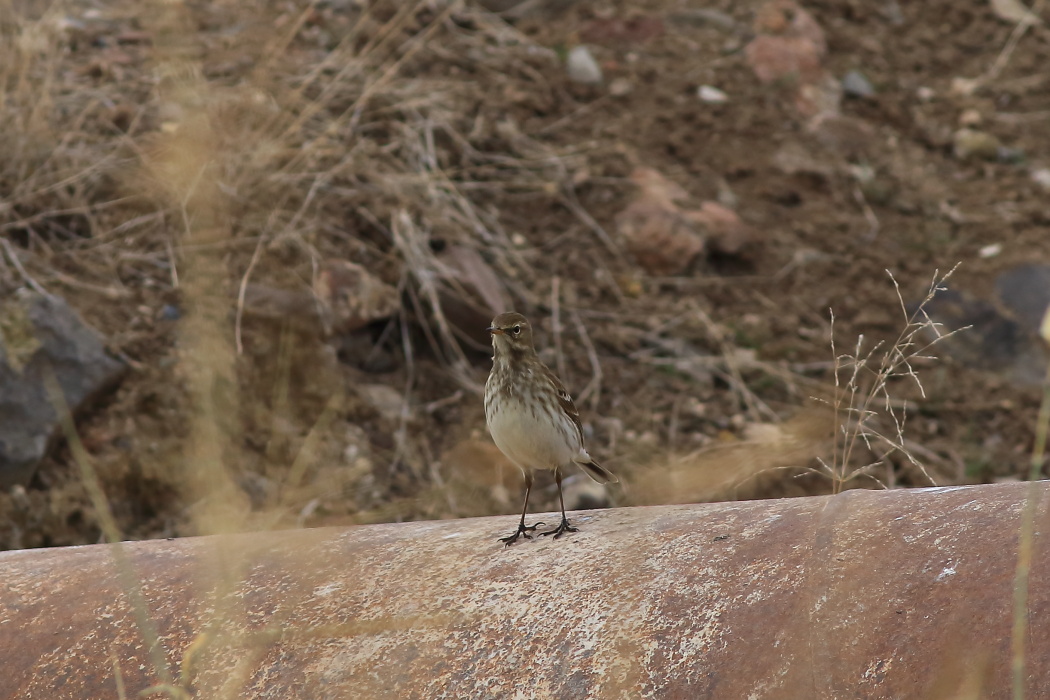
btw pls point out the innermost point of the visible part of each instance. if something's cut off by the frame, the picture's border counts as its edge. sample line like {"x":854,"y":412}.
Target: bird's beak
{"x":494,"y":331}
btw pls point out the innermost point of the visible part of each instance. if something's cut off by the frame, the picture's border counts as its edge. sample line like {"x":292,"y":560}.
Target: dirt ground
{"x":447,"y":152}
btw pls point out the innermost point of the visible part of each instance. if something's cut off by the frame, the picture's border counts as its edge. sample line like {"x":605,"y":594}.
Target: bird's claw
{"x":561,"y":529}
{"x":522,"y":531}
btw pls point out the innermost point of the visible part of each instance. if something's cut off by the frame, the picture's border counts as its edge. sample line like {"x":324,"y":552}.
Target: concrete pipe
{"x":891,"y":594}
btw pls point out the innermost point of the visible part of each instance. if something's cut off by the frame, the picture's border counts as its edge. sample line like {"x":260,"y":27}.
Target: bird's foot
{"x":523,"y":531}
{"x":561,"y":529}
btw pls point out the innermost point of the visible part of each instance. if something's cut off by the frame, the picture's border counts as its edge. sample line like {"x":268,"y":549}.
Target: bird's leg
{"x":564,"y":526}
{"x":523,"y":529}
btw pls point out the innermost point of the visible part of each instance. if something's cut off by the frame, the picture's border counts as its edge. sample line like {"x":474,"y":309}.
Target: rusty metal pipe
{"x":893,"y":594}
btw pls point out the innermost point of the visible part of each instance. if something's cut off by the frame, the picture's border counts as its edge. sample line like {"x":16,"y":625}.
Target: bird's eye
{"x":516,"y":330}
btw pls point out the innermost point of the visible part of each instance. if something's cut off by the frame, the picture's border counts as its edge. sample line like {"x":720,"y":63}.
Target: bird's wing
{"x":586,"y":462}
{"x":566,"y":404}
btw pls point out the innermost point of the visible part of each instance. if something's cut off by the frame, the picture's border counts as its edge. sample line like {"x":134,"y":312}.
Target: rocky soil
{"x":291,"y":222}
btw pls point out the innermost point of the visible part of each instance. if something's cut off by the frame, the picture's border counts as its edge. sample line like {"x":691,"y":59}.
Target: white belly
{"x":530,"y":442}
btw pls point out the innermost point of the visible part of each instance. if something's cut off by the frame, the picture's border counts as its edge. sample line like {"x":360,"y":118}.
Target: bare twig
{"x":556,"y":325}
{"x":129,"y":581}
{"x":13,"y":257}
{"x":869,"y":214}
{"x":108,"y":292}
{"x":750,"y":401}
{"x":401,"y":436}
{"x":240,"y":297}
{"x":593,"y":390}
{"x":570,"y":200}
{"x":172,"y":264}
{"x":1018,"y":32}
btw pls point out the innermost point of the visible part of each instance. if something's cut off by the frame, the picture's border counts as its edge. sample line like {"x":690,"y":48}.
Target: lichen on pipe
{"x":904,"y":593}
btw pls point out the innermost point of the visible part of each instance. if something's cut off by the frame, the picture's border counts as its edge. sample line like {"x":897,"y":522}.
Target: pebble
{"x":711,"y":95}
{"x":1008,"y":155}
{"x":856,"y":84}
{"x":1041,"y":176}
{"x":876,"y":190}
{"x":709,"y":17}
{"x":969,"y":144}
{"x":583,"y":68}
{"x":964,"y":86}
{"x":620,"y":87}
{"x":386,"y":400}
{"x":970,"y":117}
{"x":893,"y":13}
{"x":990,"y":251}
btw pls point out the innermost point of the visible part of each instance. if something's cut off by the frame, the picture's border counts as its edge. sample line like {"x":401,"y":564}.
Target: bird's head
{"x":511,"y":332}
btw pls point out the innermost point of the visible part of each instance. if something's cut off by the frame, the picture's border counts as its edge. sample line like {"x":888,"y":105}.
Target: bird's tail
{"x":595,"y":470}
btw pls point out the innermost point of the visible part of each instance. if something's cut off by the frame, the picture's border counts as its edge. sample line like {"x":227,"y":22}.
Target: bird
{"x":532,"y":418}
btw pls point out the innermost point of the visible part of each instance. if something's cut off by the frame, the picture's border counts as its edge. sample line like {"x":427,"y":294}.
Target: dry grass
{"x":1027,"y":535}
{"x":858,"y":433}
{"x":867,"y":415}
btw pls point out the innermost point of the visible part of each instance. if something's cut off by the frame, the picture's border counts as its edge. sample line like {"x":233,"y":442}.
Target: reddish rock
{"x":662,"y":240}
{"x":726,"y":233}
{"x":665,"y":235}
{"x":780,"y":58}
{"x":790,"y":47}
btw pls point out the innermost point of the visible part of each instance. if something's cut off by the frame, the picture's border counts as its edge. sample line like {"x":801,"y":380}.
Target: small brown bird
{"x":531,"y":417}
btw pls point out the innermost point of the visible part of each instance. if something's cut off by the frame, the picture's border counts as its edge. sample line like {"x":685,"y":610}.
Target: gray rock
{"x":1025,"y":293}
{"x":893,"y":13}
{"x":992,"y":341}
{"x":1010,"y":156}
{"x":582,"y":67}
{"x":856,"y":84}
{"x":39,"y":335}
{"x":384,"y":399}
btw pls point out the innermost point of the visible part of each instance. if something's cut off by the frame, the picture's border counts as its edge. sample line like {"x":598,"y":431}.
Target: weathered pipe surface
{"x":899,"y":594}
